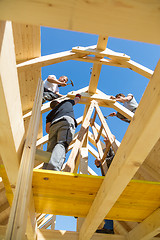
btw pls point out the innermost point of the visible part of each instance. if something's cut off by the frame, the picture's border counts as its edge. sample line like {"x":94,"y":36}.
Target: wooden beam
{"x":45,"y":220}
{"x":98,"y":143}
{"x":43,"y":234}
{"x":92,"y":50}
{"x":93,"y":151}
{"x":101,"y":45}
{"x":136,"y":67}
{"x":124,"y":111}
{"x":83,"y":168}
{"x":91,"y":172}
{"x":47,"y":60}
{"x":70,"y":165}
{"x":149,"y":228}
{"x":23,"y":194}
{"x":124,"y":165}
{"x":120,"y":20}
{"x":11,"y":121}
{"x":106,"y":129}
{"x":86,"y":98}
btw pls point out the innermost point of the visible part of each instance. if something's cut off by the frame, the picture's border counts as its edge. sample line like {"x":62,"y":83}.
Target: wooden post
{"x":18,"y":216}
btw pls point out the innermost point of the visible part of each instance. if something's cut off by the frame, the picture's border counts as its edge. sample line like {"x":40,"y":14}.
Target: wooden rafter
{"x":115,"y":183}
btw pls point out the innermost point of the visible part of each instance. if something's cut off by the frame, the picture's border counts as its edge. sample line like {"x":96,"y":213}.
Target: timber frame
{"x":21,"y":119}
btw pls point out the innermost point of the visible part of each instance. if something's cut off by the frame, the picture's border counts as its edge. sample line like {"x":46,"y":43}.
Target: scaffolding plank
{"x":71,"y":194}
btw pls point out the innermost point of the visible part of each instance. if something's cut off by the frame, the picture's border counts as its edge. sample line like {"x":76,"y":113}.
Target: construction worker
{"x":60,"y":124}
{"x":129,"y":102}
{"x":51,"y":87}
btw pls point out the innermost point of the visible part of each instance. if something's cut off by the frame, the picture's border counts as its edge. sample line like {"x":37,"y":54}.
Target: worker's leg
{"x":123,"y":118}
{"x":53,"y":131}
{"x":64,"y":137}
{"x":49,"y":96}
{"x":108,"y":224}
{"x":107,"y":228}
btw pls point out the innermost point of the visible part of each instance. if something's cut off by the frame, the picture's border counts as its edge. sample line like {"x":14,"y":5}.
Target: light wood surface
{"x":72,"y":195}
{"x":134,"y":20}
{"x":136,"y":139}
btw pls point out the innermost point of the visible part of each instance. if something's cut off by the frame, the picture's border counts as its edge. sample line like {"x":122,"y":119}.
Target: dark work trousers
{"x":61,"y":134}
{"x":49,"y":95}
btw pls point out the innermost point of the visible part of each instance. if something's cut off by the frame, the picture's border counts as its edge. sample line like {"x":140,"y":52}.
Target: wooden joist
{"x":127,"y":20}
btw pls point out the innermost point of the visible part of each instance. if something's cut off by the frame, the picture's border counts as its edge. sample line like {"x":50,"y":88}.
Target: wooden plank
{"x":47,"y":60}
{"x":18,"y":217}
{"x":27,"y":46}
{"x":43,"y":234}
{"x":136,"y":67}
{"x":70,"y":165}
{"x":91,"y":172}
{"x":124,"y":111}
{"x":124,"y":165}
{"x":11,"y":121}
{"x":27,"y":41}
{"x":86,"y":98}
{"x":121,"y":20}
{"x":45,"y":220}
{"x":62,"y":193}
{"x":83,"y":168}
{"x":99,"y":133}
{"x":101,"y":45}
{"x":98,"y":143}
{"x":147,"y":229}
{"x":53,"y":223}
{"x":93,"y":151}
{"x":110,"y":136}
{"x":91,"y":50}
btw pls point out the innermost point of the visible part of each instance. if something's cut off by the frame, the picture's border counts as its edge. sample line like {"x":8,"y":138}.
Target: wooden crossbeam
{"x":124,"y":111}
{"x":47,"y":60}
{"x":86,"y":98}
{"x":145,"y":122}
{"x":68,"y":235}
{"x":92,"y":50}
{"x":136,"y":67}
{"x":149,"y":228}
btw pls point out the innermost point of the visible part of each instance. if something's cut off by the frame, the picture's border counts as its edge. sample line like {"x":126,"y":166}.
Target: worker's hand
{"x":112,"y":114}
{"x":63,"y":84}
{"x":97,"y":162}
{"x":47,"y":127}
{"x":112,"y":97}
{"x":106,"y":140}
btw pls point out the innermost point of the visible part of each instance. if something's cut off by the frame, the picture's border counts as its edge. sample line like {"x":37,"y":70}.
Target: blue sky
{"x":112,"y":79}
